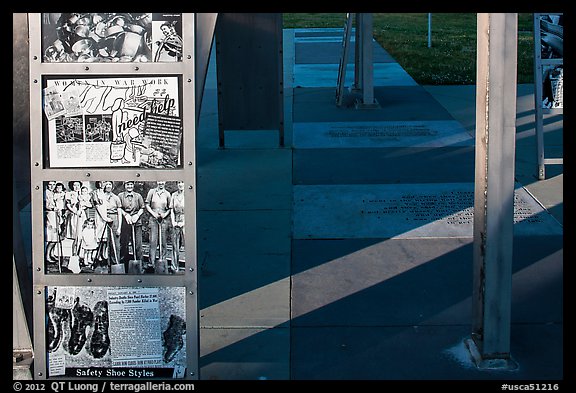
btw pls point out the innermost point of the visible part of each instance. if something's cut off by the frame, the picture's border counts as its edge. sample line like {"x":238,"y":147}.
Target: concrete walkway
{"x":316,"y":265}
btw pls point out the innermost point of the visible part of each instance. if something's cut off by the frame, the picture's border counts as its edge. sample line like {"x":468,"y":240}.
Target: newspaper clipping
{"x":111,"y":37}
{"x":122,"y":332}
{"x":113,"y":122}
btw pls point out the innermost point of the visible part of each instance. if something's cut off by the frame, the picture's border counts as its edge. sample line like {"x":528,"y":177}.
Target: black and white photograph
{"x":114,"y":227}
{"x":111,"y":37}
{"x":552,"y":36}
{"x":552,"y":86}
{"x":120,"y":332}
{"x":167,"y":37}
{"x":96,"y":37}
{"x":113,"y":122}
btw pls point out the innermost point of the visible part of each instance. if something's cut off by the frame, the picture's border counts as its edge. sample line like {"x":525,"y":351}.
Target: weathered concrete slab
{"x":383,"y":166}
{"x":537,"y":279}
{"x":460,"y":102}
{"x":326,"y":75}
{"x":383,"y":134}
{"x":244,"y":354}
{"x":267,"y":306}
{"x":245,"y":232}
{"x":243,"y":182}
{"x":328,"y":50}
{"x":374,"y":282}
{"x":403,"y":211}
{"x":320,"y":32}
{"x":377,"y":282}
{"x":418,"y":353}
{"x":244,"y":290}
{"x":321,"y":37}
{"x":397,"y":103}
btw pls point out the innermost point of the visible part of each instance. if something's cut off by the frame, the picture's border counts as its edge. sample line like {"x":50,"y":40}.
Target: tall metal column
{"x":365,"y":65}
{"x":494,"y":189}
{"x":357,"y":55}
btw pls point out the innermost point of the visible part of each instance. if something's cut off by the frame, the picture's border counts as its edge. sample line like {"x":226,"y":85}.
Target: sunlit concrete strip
{"x":245,"y":353}
{"x":264,"y":307}
{"x":372,"y":134}
{"x":326,"y":75}
{"x":316,"y":287}
{"x":333,"y":281}
{"x":402,"y":211}
{"x":537,"y":290}
{"x":344,"y":276}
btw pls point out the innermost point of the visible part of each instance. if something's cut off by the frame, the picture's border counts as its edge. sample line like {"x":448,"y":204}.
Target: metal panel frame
{"x":344,"y":58}
{"x":187,"y":173}
{"x":539,"y":111}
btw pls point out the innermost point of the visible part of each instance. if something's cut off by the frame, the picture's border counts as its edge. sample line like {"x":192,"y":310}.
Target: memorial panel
{"x":113,"y":121}
{"x":116,"y":332}
{"x":417,"y":134}
{"x":114,"y":226}
{"x":403,"y":211}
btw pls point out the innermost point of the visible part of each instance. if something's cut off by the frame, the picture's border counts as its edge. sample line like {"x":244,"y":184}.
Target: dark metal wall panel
{"x":249,"y":69}
{"x":205,"y":26}
{"x":20,"y":109}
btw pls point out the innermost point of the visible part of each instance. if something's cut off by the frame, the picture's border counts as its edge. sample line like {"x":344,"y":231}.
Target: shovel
{"x":96,"y":264}
{"x":134,"y":265}
{"x":74,"y":262}
{"x":115,"y":268}
{"x":160,"y":266}
{"x":61,"y":253}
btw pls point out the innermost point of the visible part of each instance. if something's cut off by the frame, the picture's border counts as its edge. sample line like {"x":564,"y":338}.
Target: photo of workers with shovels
{"x":127,"y":232}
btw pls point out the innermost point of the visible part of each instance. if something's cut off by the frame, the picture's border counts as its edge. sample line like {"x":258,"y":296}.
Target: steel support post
{"x":366,"y":68}
{"x":429,"y":30}
{"x":494,"y":189}
{"x":356,"y":88}
{"x":539,"y":126}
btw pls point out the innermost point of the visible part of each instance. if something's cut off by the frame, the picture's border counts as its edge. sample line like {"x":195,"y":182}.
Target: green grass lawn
{"x":451,"y":60}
